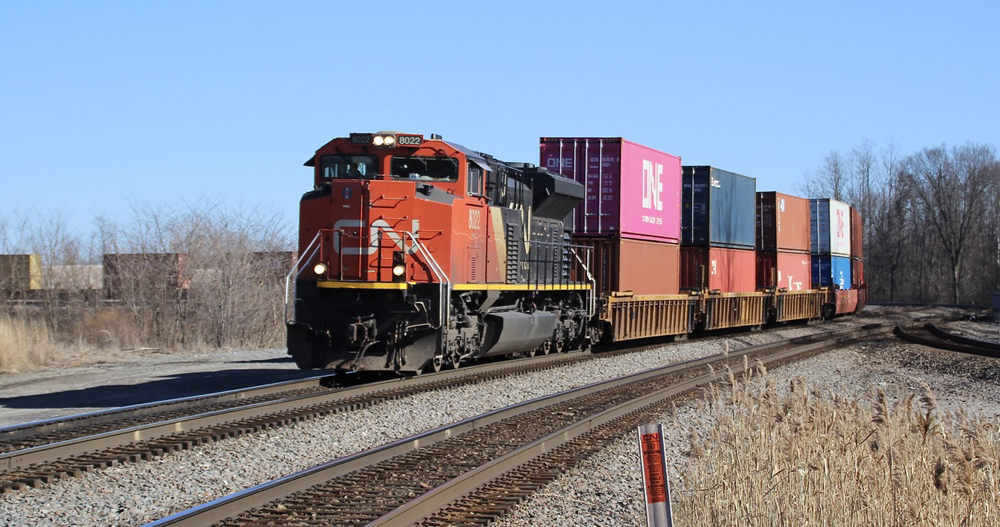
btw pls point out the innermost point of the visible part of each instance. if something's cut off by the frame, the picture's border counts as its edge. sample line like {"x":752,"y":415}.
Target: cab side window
{"x":475,"y":180}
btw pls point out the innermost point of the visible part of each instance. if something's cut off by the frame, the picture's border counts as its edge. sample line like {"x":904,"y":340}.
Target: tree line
{"x":931,"y":218}
{"x":207,"y":274}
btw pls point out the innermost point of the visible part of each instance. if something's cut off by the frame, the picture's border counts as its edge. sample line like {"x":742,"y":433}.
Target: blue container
{"x":830,"y":227}
{"x":719,"y":208}
{"x":831,"y":271}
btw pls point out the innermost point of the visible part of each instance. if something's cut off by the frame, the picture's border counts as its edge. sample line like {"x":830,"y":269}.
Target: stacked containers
{"x":717,"y":230}
{"x":631,"y":213}
{"x":783,"y":242}
{"x":830,"y":230}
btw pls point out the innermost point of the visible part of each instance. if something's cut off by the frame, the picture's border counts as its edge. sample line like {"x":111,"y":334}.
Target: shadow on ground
{"x":180,"y":385}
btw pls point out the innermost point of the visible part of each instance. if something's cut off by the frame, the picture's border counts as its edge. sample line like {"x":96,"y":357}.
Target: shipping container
{"x":785,"y":270}
{"x":641,"y":267}
{"x":718,"y":208}
{"x":142,"y":274}
{"x":847,"y":301}
{"x":831,"y":271}
{"x":857,"y":236}
{"x":857,"y":272}
{"x":633,"y":191}
{"x":782,"y":223}
{"x":830,"y":229}
{"x":74,"y":277}
{"x":718,"y":269}
{"x":20,"y":272}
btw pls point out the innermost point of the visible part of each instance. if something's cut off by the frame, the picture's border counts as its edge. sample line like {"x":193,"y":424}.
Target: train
{"x":419,"y":254}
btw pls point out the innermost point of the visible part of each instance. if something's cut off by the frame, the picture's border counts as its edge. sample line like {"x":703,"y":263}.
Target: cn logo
{"x":377,"y":227}
{"x":652,"y":187}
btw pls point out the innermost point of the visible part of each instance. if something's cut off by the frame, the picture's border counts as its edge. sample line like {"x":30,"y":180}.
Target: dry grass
{"x":24,"y":343}
{"x":806,"y":457}
{"x":27,"y":342}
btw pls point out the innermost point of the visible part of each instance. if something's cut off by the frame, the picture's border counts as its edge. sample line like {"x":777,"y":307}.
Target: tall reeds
{"x":804,"y":456}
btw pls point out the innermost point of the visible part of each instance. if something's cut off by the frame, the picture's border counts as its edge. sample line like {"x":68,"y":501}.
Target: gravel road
{"x":597,"y":493}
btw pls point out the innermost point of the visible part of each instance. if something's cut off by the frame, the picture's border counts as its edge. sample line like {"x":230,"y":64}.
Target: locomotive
{"x":418,"y":254}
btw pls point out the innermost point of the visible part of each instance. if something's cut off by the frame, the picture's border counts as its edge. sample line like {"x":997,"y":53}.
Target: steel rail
{"x":911,"y":335}
{"x":69,"y":422}
{"x":940,"y":333}
{"x":24,"y":458}
{"x":226,"y":507}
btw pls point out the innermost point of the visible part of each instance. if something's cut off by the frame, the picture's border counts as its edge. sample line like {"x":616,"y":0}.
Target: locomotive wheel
{"x":546,"y":348}
{"x":435,"y":364}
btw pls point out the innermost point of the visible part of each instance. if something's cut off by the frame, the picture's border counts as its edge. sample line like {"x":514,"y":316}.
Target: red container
{"x":782,"y":222}
{"x":718,"y":269}
{"x":857,"y":242}
{"x":857,"y":273}
{"x":847,"y":301}
{"x":640,"y":266}
{"x":633,"y":191}
{"x":784,"y":270}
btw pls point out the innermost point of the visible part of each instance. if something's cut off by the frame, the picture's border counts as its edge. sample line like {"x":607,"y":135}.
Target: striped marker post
{"x":655,"y":485}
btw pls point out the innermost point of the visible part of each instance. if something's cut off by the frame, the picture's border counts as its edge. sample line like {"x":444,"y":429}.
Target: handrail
{"x":297,"y":270}
{"x":444,"y":306}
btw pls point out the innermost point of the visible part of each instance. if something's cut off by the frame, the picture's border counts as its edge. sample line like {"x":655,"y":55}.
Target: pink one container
{"x":633,"y":191}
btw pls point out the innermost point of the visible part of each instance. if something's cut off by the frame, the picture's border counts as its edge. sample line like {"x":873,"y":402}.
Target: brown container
{"x":145,"y":274}
{"x":847,"y":301}
{"x":857,"y":241}
{"x":790,"y":271}
{"x":857,"y":273}
{"x":718,"y":269}
{"x":638,"y":266}
{"x":782,"y":222}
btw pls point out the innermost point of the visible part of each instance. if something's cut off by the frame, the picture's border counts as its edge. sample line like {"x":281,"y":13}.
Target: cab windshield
{"x":424,"y":168}
{"x":348,"y":167}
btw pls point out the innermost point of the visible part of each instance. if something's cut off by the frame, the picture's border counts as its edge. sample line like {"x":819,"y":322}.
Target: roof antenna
{"x":435,"y":137}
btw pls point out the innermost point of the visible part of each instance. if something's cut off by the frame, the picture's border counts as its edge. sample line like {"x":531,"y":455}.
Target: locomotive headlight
{"x":398,"y":266}
{"x":378,"y":140}
{"x":320,"y":268}
{"x":389,"y":140}
{"x":398,"y":270}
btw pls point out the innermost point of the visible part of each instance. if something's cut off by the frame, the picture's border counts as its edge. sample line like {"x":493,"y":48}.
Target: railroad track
{"x":36,"y":454}
{"x":933,"y":336}
{"x":472,"y":471}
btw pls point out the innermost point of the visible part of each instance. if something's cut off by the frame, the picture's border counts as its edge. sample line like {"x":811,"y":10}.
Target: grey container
{"x":719,"y":208}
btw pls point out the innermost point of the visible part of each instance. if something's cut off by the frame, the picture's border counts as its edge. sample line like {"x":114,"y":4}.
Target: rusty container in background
{"x":144,"y":274}
{"x":782,"y":222}
{"x":790,"y":271}
{"x":718,"y":269}
{"x":641,"y":267}
{"x":857,"y":238}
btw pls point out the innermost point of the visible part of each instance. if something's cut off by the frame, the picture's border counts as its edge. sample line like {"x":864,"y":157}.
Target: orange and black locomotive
{"x":418,"y":254}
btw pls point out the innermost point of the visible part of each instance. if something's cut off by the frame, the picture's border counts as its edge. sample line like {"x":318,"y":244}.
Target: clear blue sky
{"x":108,"y":103}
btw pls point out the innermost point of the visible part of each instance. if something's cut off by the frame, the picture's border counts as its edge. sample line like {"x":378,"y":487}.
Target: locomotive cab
{"x":421,"y":253}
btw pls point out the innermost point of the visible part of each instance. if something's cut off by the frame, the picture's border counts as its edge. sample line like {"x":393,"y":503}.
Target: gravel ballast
{"x":138,"y":493}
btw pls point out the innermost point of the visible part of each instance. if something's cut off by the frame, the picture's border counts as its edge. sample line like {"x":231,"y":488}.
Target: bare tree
{"x":953,"y":187}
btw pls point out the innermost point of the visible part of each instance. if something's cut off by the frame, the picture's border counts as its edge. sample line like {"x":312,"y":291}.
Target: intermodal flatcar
{"x":418,"y":253}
